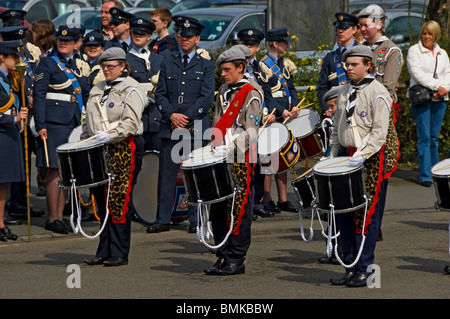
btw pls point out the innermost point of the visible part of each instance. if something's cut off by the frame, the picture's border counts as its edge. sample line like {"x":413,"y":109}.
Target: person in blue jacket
{"x":184,"y":96}
{"x":60,"y":91}
{"x":11,"y":157}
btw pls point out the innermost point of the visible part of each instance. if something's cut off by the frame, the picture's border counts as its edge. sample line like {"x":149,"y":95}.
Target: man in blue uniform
{"x":60,"y":91}
{"x":184,"y":96}
{"x":120,"y":27}
{"x":332,"y":72}
{"x":252,"y":39}
{"x":145,"y":67}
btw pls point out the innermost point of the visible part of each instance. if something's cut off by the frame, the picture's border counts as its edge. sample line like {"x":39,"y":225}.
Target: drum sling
{"x":122,"y":161}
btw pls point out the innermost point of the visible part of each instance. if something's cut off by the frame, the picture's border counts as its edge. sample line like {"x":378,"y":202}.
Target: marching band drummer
{"x":11,"y":157}
{"x":361,"y":124}
{"x":60,"y":91}
{"x":238,"y":106}
{"x":121,"y":100}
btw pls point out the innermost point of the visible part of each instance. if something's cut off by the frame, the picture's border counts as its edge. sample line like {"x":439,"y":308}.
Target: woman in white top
{"x":423,"y":58}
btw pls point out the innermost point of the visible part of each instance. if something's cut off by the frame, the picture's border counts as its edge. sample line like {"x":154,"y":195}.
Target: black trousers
{"x":115,"y":237}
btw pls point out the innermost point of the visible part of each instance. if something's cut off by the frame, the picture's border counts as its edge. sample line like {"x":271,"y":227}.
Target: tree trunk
{"x":438,"y":10}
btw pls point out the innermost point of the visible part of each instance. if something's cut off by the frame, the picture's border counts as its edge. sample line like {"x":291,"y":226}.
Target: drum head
{"x":334,"y":166}
{"x":272,"y":138}
{"x":72,"y":146}
{"x":75,"y":134}
{"x":305,"y":122}
{"x":202,"y":157}
{"x":145,"y":192}
{"x":441,"y":169}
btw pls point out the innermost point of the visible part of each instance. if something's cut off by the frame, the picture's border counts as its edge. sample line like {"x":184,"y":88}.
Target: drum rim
{"x":285,"y":143}
{"x":222,"y":160}
{"x":309,"y":111}
{"x":84,"y":146}
{"x":342,"y":211}
{"x":354,"y":169}
{"x":435,"y":166}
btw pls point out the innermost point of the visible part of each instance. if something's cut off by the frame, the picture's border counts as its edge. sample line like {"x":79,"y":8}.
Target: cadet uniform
{"x":247,"y":114}
{"x":11,"y":157}
{"x":254,"y":37}
{"x":119,"y":16}
{"x":60,"y":91}
{"x":332,"y":72}
{"x":145,"y":67}
{"x":122,"y":101}
{"x":96,"y":73}
{"x":186,"y":89}
{"x":369,"y":110}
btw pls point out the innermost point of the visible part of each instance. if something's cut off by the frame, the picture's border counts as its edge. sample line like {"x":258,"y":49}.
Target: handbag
{"x":420,"y":94}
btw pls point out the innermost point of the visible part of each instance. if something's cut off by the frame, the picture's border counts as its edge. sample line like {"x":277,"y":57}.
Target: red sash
{"x":231,"y":114}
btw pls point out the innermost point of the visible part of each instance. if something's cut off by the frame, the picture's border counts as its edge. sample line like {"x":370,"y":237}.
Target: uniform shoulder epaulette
{"x":204,"y":54}
{"x":265,"y":68}
{"x":100,"y":75}
{"x":290,"y":66}
{"x":35,"y":52}
{"x":83,"y":66}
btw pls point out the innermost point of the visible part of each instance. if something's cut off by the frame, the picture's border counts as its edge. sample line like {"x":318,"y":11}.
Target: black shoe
{"x":270,"y":206}
{"x":57,"y":226}
{"x":358,"y":280}
{"x":425,"y":183}
{"x":192,"y":228}
{"x":6,"y":234}
{"x":328,"y":260}
{"x":219,"y":264}
{"x":95,"y":261}
{"x":447,"y":270}
{"x":115,"y":261}
{"x":344,"y":280}
{"x":263,"y":213}
{"x":287,"y":206}
{"x":231,"y":269}
{"x":157,"y":228}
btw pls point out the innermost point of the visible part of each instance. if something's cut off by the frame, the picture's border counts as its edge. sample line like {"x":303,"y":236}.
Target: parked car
{"x":98,"y":3}
{"x":184,"y":5}
{"x":89,"y":18}
{"x":37,"y":9}
{"x":154,"y":4}
{"x":401,"y":26}
{"x":26,"y":23}
{"x":414,"y":5}
{"x":223,"y":24}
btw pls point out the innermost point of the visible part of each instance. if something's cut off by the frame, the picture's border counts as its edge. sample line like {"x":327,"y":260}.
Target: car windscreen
{"x":215,"y":25}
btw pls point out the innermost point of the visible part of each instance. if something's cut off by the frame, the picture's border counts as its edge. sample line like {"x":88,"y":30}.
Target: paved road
{"x":279,"y":265}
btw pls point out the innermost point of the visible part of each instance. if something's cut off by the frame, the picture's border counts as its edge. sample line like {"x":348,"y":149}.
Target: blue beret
{"x":10,"y":47}
{"x":17,"y":33}
{"x":142,"y":26}
{"x":251,"y":36}
{"x":278,"y":34}
{"x":66,"y":33}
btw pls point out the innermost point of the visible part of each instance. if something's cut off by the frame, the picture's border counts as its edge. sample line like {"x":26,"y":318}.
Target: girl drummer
{"x":11,"y":157}
{"x":118,"y":100}
{"x":361,"y":125}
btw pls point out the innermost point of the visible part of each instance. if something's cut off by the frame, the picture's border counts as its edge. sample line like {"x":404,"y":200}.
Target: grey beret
{"x":373,"y":11}
{"x":358,"y":50}
{"x":236,"y":52}
{"x":332,"y":93}
{"x":114,"y":53}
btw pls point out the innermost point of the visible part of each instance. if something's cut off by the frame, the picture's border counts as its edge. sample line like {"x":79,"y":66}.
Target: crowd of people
{"x":134,"y":94}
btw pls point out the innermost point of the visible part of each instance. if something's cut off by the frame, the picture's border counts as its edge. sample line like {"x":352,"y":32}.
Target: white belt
{"x":59,"y":97}
{"x":278,"y":94}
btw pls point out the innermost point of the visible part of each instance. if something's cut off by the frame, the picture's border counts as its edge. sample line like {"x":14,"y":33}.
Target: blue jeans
{"x":428,"y":117}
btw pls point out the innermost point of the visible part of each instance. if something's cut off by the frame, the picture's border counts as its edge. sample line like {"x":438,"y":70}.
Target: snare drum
{"x":145,"y":192}
{"x":304,"y":189}
{"x":85,"y":164}
{"x":207,"y":177}
{"x":278,"y":150}
{"x":305,"y":129}
{"x":441,"y":177}
{"x":339,"y":184}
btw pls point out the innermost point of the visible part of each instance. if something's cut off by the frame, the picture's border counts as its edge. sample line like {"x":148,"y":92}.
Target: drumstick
{"x":295,"y":109}
{"x":104,"y":118}
{"x":445,"y":166}
{"x":90,"y":138}
{"x":262,"y":127}
{"x":305,"y":173}
{"x":342,"y":160}
{"x":46,"y":151}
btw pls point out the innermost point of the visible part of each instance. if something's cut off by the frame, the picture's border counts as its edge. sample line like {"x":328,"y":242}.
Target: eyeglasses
{"x":109,"y":66}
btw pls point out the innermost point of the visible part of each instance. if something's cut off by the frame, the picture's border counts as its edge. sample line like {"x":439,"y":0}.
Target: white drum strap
{"x":203,"y":223}
{"x":73,"y":194}
{"x":302,"y":231}
{"x":333,"y":215}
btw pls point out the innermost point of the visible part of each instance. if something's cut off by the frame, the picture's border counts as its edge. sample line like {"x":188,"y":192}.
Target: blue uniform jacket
{"x":55,"y":111}
{"x":140,"y":73}
{"x":6,"y":120}
{"x":189,"y":90}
